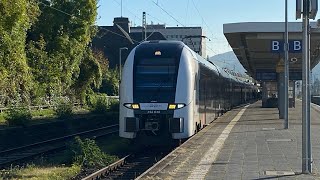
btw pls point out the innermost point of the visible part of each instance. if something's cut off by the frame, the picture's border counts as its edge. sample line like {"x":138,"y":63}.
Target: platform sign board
{"x":295,"y":75}
{"x":266,"y":76}
{"x":269,"y":75}
{"x":295,"y":46}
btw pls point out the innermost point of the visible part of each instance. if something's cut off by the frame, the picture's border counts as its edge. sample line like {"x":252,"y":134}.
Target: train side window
{"x":195,"y":82}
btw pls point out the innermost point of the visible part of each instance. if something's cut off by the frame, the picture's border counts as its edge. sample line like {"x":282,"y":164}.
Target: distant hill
{"x":316,"y":72}
{"x":228,"y":60}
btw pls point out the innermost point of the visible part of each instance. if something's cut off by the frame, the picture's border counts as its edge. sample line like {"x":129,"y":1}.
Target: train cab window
{"x":155,"y":79}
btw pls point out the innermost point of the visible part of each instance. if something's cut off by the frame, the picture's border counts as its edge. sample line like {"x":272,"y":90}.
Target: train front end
{"x":151,"y":107}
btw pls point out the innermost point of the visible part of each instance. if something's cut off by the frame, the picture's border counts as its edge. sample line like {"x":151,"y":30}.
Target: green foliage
{"x":66,"y":36}
{"x":43,"y":113}
{"x":18,"y":116}
{"x":101,"y":104}
{"x":40,"y":173}
{"x":88,"y":154}
{"x":110,"y":83}
{"x":2,"y":118}
{"x":114,"y":105}
{"x":44,"y":69}
{"x":103,"y":62}
{"x":44,"y":51}
{"x":93,"y":98}
{"x":16,"y":16}
{"x":90,"y":74}
{"x":64,"y":109}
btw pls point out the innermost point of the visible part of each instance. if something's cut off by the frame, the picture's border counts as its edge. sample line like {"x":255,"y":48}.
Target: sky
{"x":210,"y":14}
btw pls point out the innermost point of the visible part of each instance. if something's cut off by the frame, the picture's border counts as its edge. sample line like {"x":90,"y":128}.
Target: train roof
{"x":211,"y":65}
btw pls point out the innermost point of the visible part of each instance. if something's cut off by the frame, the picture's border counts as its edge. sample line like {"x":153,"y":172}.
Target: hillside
{"x":228,"y":60}
{"x":316,"y":71}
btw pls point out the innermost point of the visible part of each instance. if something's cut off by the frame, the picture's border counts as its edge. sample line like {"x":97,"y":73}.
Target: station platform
{"x":245,"y":143}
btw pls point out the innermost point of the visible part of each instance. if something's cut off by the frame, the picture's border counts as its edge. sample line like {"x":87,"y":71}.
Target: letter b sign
{"x":295,"y":46}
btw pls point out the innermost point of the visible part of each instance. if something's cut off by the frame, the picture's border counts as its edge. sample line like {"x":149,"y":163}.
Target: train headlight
{"x":172,"y":106}
{"x":132,"y":106}
{"x":179,"y":106}
{"x":176,"y":106}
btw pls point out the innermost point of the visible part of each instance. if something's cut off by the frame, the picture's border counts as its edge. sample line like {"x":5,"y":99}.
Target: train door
{"x":209,"y":113}
{"x":241,"y":95}
{"x":204,"y":120}
{"x":196,"y":94}
{"x":229,"y":91}
{"x":220,"y":95}
{"x":245,"y":94}
{"x":202,"y":100}
{"x":224,"y":95}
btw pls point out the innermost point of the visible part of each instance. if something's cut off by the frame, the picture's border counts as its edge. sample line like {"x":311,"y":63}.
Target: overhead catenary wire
{"x":203,"y":19}
{"x":128,"y":10}
{"x":73,"y":16}
{"x":187,"y":12}
{"x":138,"y":17}
{"x":208,"y":47}
{"x":175,"y":19}
{"x":163,"y":22}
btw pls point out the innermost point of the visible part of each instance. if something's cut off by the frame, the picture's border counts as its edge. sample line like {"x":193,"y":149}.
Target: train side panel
{"x":185,"y":94}
{"x":126,"y":95}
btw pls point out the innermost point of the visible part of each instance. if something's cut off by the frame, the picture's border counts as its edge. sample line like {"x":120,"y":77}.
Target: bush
{"x":110,"y":83}
{"x":18,"y":116}
{"x":114,"y":105}
{"x":101,"y":105}
{"x":64,"y":109}
{"x":89,"y":155}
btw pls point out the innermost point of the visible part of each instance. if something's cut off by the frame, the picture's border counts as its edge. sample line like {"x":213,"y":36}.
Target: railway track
{"x":131,"y":166}
{"x":18,"y":154}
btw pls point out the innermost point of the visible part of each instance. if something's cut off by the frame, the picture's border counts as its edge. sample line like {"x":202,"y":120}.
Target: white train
{"x":170,"y":92}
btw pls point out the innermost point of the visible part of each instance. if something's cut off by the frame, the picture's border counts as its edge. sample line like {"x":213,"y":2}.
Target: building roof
{"x":252,"y":43}
{"x":110,"y":38}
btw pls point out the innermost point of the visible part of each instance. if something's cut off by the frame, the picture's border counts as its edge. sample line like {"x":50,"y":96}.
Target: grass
{"x":2,"y":119}
{"x":48,"y":113}
{"x":43,"y":115}
{"x":59,"y":166}
{"x":40,"y":173}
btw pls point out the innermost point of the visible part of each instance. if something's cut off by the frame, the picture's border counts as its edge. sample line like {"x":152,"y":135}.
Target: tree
{"x":44,"y":70}
{"x":65,"y":28}
{"x":90,"y":75}
{"x":110,"y":83}
{"x":16,"y":17}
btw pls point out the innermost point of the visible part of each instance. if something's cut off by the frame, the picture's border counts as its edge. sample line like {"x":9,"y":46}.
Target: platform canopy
{"x":259,"y":47}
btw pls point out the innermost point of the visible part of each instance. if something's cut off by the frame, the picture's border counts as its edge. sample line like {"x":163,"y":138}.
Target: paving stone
{"x":246,"y":154}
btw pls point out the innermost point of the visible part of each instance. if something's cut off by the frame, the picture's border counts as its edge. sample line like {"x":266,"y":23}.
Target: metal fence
{"x":48,"y":106}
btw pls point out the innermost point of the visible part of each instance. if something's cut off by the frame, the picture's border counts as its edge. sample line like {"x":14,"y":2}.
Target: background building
{"x":191,"y":36}
{"x":110,"y":39}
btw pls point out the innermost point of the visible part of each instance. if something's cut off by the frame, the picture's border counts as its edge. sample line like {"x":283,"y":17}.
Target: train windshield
{"x":155,"y":79}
